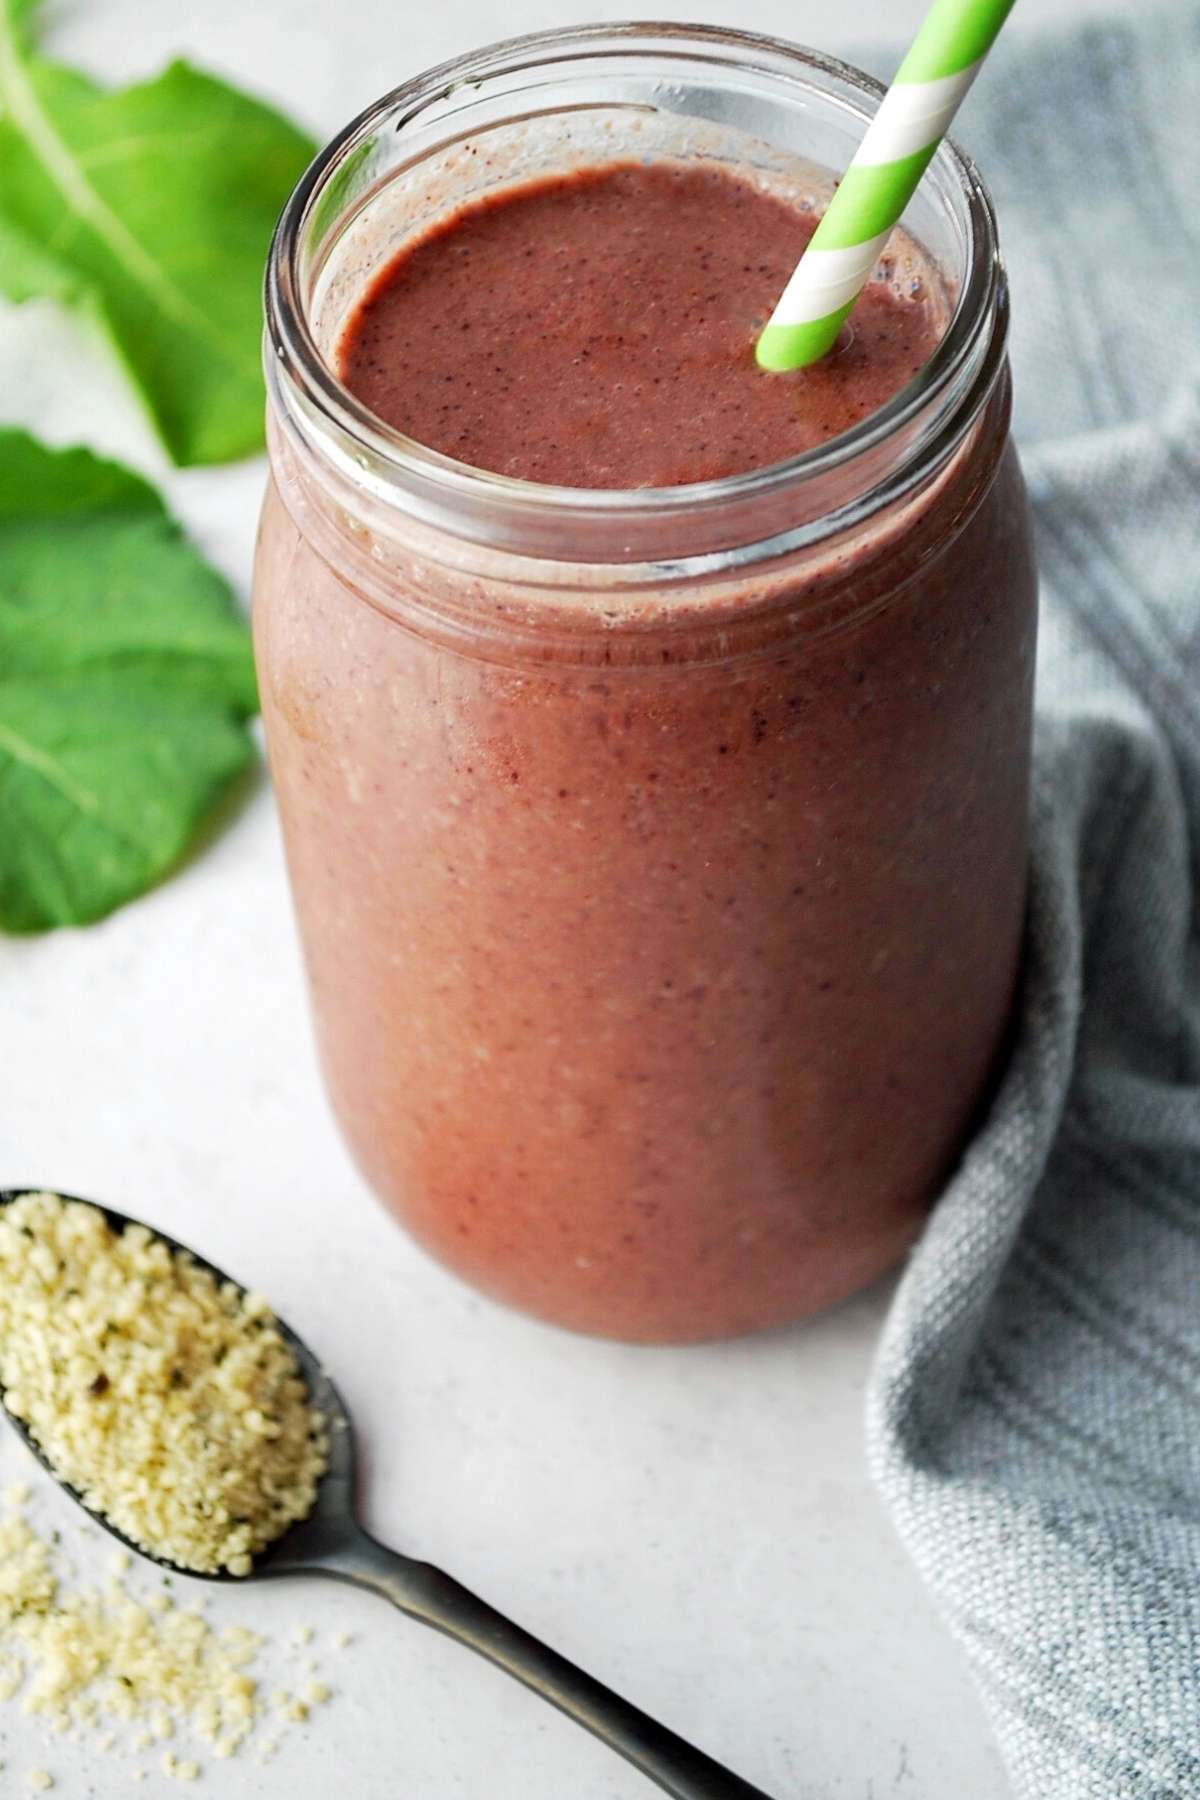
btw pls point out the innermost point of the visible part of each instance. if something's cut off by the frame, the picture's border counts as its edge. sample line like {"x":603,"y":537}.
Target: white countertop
{"x":695,"y":1526}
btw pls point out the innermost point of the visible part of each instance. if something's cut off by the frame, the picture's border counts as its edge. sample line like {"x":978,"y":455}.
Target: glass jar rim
{"x":489,"y":508}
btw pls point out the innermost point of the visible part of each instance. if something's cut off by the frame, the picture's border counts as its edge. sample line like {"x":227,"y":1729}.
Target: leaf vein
{"x":50,"y":769}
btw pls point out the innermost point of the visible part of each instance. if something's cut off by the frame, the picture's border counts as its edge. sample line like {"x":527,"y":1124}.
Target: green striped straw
{"x":913,"y":117}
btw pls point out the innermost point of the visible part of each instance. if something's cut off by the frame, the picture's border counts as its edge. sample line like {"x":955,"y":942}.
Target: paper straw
{"x":912,"y":120}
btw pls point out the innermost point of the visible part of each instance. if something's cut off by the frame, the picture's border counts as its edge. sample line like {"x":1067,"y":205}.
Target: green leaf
{"x":28,"y":272}
{"x":125,"y":680}
{"x":20,"y":12}
{"x":153,"y":205}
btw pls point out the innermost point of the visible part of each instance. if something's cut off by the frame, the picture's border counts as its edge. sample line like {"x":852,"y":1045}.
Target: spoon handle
{"x":425,"y":1593}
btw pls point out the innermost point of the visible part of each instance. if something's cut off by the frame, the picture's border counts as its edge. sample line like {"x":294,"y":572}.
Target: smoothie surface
{"x":597,"y":330}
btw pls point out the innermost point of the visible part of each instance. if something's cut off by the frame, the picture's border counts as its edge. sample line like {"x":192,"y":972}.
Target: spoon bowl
{"x":330,"y":1542}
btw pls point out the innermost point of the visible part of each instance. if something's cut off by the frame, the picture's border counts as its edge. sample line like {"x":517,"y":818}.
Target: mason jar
{"x":659,"y":855}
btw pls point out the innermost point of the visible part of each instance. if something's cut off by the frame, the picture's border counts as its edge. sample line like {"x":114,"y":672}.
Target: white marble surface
{"x":696,"y":1526}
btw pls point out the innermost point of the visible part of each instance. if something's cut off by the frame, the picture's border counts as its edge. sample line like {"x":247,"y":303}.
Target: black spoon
{"x":331,"y":1542}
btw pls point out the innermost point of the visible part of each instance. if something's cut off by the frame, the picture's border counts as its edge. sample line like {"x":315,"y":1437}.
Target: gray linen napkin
{"x":1034,"y":1417}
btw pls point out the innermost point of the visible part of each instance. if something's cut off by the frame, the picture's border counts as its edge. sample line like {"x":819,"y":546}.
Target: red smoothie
{"x":661,"y":918}
{"x":598,"y":331}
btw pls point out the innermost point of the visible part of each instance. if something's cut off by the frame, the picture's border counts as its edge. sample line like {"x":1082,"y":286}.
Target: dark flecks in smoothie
{"x":548,"y":332}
